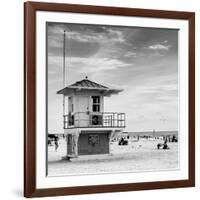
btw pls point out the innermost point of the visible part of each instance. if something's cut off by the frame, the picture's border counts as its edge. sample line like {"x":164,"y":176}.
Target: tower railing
{"x":95,"y":119}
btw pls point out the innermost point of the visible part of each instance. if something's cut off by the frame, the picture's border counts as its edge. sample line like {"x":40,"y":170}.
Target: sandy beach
{"x":141,"y":155}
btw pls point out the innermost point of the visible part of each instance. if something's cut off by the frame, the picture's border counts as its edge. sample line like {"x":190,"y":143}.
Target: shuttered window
{"x":96,"y":103}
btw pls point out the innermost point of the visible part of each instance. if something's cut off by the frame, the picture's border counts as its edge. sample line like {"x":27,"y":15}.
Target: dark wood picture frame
{"x":30,"y":9}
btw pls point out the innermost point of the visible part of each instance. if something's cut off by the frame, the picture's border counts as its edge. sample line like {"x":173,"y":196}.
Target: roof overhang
{"x":103,"y":91}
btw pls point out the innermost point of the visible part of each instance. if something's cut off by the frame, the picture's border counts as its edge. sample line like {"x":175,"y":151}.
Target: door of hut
{"x":93,"y":143}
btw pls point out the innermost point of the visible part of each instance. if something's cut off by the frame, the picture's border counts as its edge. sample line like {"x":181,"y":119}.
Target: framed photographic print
{"x":109,"y":99}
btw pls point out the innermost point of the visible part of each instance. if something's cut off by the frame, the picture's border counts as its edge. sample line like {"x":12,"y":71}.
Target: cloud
{"x":93,"y":64}
{"x":83,"y":33}
{"x":116,"y":35}
{"x":85,"y":41}
{"x":109,"y":36}
{"x":159,"y":47}
{"x":130,"y":54}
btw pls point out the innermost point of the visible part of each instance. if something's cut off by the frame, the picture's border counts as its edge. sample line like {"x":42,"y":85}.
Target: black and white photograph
{"x":112,"y":103}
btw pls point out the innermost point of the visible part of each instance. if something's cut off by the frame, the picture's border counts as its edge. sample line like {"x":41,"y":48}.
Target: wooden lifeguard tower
{"x":87,"y":127}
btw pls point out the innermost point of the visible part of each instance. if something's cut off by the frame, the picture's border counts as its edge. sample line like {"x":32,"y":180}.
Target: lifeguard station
{"x":87,"y":127}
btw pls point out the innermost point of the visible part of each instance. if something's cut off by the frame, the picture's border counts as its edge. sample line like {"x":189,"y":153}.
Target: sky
{"x":141,"y":61}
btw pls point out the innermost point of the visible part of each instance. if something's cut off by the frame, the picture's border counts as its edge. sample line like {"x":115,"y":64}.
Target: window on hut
{"x":96,"y":103}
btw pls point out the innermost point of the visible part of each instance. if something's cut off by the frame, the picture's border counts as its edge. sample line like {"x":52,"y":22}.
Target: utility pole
{"x":64,"y":75}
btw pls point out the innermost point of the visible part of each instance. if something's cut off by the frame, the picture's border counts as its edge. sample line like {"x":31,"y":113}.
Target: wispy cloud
{"x":130,"y":54}
{"x":159,"y":47}
{"x":88,"y":34}
{"x":97,"y":64}
{"x":91,"y":64}
{"x":165,"y":41}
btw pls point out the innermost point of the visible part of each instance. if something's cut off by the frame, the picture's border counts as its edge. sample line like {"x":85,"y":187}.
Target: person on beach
{"x":56,"y":144}
{"x":165,"y":146}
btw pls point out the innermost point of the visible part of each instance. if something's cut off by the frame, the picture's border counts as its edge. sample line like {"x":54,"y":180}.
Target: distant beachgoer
{"x":165,"y":142}
{"x":165,"y":146}
{"x":159,"y":145}
{"x":56,"y":144}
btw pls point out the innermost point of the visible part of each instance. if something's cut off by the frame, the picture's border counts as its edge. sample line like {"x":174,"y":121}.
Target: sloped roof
{"x":87,"y":85}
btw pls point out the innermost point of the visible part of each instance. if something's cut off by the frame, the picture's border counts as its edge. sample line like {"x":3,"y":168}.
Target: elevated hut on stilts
{"x":87,"y":127}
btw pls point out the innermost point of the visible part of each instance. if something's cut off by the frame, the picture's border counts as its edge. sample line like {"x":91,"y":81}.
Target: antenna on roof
{"x":64,"y":58}
{"x":64,"y":72}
